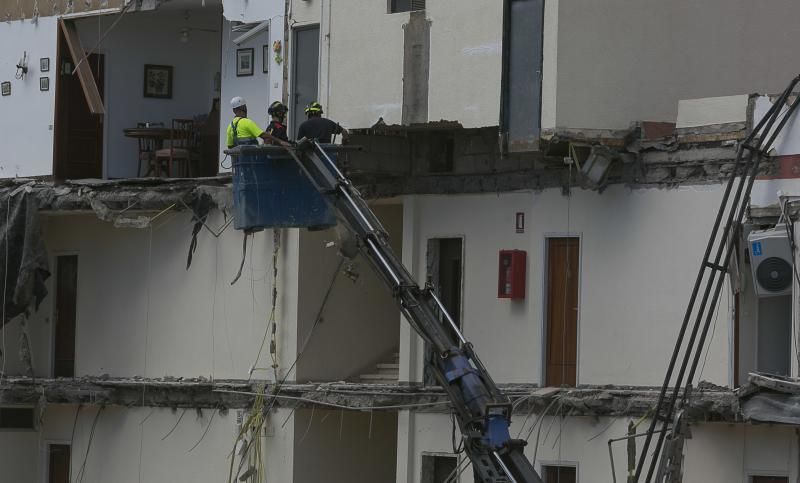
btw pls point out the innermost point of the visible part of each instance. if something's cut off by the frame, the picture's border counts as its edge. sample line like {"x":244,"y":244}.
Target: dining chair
{"x":181,"y":150}
{"x":147,"y":153}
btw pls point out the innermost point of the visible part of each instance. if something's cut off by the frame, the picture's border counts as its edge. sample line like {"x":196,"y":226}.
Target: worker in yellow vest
{"x":243,"y":131}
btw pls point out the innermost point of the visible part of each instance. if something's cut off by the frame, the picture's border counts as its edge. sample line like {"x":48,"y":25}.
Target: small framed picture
{"x":244,"y":62}
{"x":44,"y":83}
{"x":158,"y":81}
{"x":5,"y":88}
{"x":44,"y":64}
{"x":265,"y":59}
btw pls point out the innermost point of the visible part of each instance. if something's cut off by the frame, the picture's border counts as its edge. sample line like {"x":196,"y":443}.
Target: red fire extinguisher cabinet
{"x":511,"y":278}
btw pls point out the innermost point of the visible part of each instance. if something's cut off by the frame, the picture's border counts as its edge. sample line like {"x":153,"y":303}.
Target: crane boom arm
{"x":483,"y":412}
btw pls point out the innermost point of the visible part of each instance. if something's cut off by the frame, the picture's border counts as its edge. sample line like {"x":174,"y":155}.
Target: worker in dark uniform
{"x":318,"y":127}
{"x":277,"y":126}
{"x":243,"y":131}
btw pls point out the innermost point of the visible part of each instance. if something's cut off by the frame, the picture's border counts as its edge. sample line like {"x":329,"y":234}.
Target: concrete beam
{"x":706,"y":404}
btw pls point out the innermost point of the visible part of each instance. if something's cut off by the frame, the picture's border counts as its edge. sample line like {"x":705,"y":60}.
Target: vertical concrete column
{"x":410,"y":342}
{"x":416,"y":68}
{"x":405,"y":446}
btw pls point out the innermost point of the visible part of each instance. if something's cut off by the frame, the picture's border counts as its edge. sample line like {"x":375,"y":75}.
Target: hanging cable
{"x":244,"y":256}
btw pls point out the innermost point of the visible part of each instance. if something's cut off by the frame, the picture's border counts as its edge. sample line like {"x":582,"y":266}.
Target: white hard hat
{"x":237,"y":102}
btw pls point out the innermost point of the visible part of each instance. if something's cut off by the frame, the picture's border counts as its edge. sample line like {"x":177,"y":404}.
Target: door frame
{"x":54,"y":308}
{"x":543,"y":333}
{"x":293,"y":70}
{"x":61,"y":51}
{"x":44,"y":456}
{"x":463,"y":239}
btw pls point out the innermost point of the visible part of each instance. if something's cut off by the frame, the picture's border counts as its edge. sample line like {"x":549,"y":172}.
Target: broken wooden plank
{"x":90,"y":91}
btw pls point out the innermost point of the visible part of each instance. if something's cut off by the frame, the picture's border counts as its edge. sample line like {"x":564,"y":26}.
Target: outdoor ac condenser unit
{"x":771,"y":261}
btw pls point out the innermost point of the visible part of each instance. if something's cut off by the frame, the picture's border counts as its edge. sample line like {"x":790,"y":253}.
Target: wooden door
{"x":65,"y":316}
{"x":58,"y":469}
{"x":78,"y":133}
{"x":562,"y":311}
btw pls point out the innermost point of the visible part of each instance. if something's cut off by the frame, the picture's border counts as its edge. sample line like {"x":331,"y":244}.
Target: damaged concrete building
{"x":585,"y":144}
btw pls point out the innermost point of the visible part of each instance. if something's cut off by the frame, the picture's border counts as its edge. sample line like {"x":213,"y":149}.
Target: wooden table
{"x":157,"y":133}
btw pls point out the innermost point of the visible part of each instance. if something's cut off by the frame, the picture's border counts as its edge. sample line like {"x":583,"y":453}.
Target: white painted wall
{"x":129,"y":445}
{"x":19,"y":455}
{"x":261,"y":89}
{"x":640,"y":250}
{"x":127,"y":50}
{"x":140,"y":312}
{"x":360,"y":322}
{"x":466,"y":61}
{"x":609,"y":76}
{"x":361,"y":74}
{"x":717,"y":453}
{"x":26,"y":117}
{"x":344,"y":446}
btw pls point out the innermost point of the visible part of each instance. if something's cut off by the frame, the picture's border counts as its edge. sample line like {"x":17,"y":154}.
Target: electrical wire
{"x":82,"y":469}
{"x":72,"y":437}
{"x":211,"y":420}
{"x":271,"y":322}
{"x":176,"y":425}
{"x":5,"y":288}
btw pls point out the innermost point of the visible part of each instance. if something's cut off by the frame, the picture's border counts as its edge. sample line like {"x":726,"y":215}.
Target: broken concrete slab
{"x":709,"y":404}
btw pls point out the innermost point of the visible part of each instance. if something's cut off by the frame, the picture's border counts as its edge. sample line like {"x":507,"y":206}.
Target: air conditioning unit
{"x":771,"y":261}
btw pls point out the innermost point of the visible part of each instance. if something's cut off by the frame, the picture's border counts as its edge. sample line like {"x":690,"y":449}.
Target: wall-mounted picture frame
{"x":265,"y":59}
{"x":44,"y":84}
{"x":5,"y":88}
{"x":44,"y":64}
{"x":158,"y":81}
{"x":244,"y":62}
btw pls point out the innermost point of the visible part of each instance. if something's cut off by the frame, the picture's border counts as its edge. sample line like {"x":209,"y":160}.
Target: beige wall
{"x":640,"y":250}
{"x":360,"y":323}
{"x":620,"y":61}
{"x":140,"y":312}
{"x":361,"y":64}
{"x":344,"y":446}
{"x":716,"y":453}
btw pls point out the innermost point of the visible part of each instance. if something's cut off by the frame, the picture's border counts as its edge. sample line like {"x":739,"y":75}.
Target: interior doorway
{"x":445,"y":273}
{"x":78,"y":150}
{"x":65,"y":316}
{"x":305,"y":73}
{"x":561,"y":315}
{"x":58,"y":463}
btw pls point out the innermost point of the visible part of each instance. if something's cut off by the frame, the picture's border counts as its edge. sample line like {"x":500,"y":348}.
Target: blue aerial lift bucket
{"x":270,"y":190}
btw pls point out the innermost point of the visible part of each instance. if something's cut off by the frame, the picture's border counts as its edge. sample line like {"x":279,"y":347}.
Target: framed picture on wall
{"x":265,"y":59}
{"x":158,"y":81}
{"x":244,"y":62}
{"x":5,"y":88}
{"x":44,"y":64}
{"x":44,"y":84}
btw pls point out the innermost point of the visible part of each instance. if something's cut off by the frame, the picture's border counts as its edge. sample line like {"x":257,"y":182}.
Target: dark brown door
{"x":58,"y":471}
{"x":770,"y":479}
{"x":78,"y":132}
{"x":562,"y":311}
{"x":560,"y":474}
{"x":66,"y":309}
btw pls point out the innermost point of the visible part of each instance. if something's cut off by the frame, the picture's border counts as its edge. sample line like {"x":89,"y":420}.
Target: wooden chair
{"x":181,"y":150}
{"x":147,"y":152}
